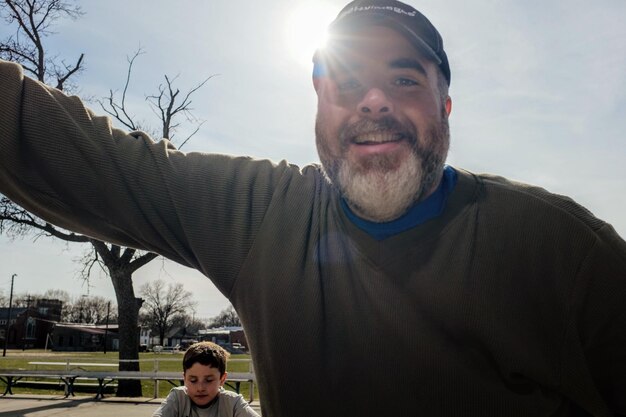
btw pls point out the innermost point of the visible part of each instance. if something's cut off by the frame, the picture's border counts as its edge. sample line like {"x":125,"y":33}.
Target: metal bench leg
{"x":69,"y":386}
{"x":9,"y":382}
{"x":236,"y":387}
{"x":102,"y":384}
{"x":100,"y":393}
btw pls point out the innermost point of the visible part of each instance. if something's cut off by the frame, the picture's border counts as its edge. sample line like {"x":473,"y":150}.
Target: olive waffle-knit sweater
{"x":511,"y":303}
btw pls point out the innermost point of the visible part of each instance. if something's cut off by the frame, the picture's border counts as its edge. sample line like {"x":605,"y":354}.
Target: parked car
{"x":186,"y":343}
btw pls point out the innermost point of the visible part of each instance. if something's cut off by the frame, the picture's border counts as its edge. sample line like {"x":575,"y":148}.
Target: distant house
{"x":231,"y":338}
{"x":176,"y":336}
{"x":30,"y":327}
{"x":85,"y":337}
{"x":145,"y":337}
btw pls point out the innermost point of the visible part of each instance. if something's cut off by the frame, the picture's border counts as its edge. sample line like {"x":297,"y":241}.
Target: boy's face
{"x":203,"y":383}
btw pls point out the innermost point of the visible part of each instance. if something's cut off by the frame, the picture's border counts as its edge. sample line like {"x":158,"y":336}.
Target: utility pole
{"x":6,"y":330}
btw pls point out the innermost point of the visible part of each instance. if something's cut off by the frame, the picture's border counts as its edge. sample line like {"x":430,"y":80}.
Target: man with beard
{"x":382,"y":283}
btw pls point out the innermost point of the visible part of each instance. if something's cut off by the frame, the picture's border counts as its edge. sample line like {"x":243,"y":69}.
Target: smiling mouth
{"x":377,"y":138}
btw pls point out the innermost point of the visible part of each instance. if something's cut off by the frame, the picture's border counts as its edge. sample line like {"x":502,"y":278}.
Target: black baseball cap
{"x":399,"y":16}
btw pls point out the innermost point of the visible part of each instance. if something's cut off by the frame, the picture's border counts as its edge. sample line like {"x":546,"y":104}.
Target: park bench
{"x":68,"y":365}
{"x":233,"y":380}
{"x":12,"y":377}
{"x":69,"y":376}
{"x":76,"y":381}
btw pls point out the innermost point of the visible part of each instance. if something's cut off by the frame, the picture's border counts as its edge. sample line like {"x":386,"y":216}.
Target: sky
{"x":538,"y":91}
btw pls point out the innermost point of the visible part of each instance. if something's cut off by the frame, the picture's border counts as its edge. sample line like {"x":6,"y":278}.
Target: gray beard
{"x":382,"y":188}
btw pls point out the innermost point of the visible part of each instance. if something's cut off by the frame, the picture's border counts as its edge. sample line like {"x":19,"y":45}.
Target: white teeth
{"x":377,"y":137}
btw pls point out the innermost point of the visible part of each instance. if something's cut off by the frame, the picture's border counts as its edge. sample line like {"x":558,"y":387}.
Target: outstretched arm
{"x":73,"y":169}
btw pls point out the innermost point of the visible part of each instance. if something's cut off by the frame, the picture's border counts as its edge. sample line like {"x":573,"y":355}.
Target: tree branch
{"x":117,"y":111}
{"x":103,"y":250}
{"x":70,"y":71}
{"x":142,"y":260}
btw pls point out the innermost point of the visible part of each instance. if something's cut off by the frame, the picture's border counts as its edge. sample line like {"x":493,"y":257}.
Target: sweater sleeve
{"x":73,"y":169}
{"x":598,"y":321}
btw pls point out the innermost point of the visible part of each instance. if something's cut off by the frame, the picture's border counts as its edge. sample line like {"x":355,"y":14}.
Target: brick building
{"x":30,"y":327}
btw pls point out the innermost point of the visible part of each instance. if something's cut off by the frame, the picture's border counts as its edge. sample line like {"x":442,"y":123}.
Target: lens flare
{"x":305,"y":30}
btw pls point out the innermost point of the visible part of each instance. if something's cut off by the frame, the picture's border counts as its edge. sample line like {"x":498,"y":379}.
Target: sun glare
{"x":306,"y":29}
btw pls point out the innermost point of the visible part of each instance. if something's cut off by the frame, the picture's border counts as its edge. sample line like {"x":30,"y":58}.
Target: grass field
{"x":18,"y":360}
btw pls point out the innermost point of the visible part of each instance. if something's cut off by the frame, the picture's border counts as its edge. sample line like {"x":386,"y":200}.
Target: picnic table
{"x":75,"y":370}
{"x":11,"y":377}
{"x":71,"y":365}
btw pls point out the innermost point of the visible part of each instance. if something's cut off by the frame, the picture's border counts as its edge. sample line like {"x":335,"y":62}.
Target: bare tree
{"x":61,"y":295}
{"x":87,"y":309}
{"x":23,"y":300}
{"x":163,"y":304}
{"x":189,"y":323}
{"x":57,"y":294}
{"x":33,"y":19}
{"x":226,"y":318}
{"x":168,"y":103}
{"x":82,"y":309}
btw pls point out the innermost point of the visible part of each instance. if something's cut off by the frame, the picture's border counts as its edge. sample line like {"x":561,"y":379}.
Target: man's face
{"x":203,"y":383}
{"x":381,"y":130}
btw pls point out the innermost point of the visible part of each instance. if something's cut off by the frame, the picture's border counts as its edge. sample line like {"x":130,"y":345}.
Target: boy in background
{"x":203,"y":394}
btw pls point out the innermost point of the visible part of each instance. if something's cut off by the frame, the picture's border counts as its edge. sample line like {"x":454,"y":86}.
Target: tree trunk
{"x":128,"y":314}
{"x":162,"y":335}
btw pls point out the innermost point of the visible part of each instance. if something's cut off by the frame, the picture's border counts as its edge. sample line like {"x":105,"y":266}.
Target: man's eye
{"x":405,"y":82}
{"x":348,"y":85}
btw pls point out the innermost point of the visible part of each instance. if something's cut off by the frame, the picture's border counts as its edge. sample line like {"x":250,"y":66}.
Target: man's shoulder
{"x":519,"y":197}
{"x":266,"y":167}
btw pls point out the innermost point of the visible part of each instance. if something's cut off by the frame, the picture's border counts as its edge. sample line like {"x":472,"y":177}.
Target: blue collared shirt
{"x":420,"y":213}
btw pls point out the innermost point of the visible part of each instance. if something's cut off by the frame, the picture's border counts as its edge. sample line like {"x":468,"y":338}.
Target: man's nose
{"x":375,"y":104}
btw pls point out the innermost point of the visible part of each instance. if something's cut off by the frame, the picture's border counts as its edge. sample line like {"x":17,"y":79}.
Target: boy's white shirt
{"x":228,"y":404}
